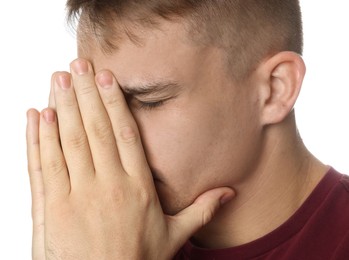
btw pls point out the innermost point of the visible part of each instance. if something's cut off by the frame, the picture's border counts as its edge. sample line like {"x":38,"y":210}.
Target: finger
{"x":36,"y":184}
{"x":54,"y":171}
{"x":73,"y":137}
{"x":188,"y":221}
{"x":34,"y":164}
{"x":125,"y":129}
{"x":95,"y":119}
{"x":51,"y":100}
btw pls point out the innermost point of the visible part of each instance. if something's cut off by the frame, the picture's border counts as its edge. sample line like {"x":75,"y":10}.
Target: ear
{"x":281,"y":78}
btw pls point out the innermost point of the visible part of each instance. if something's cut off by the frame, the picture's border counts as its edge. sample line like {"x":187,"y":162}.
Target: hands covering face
{"x":92,"y":190}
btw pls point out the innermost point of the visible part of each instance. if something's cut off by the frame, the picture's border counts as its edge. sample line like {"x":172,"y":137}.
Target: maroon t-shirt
{"x":319,"y":230}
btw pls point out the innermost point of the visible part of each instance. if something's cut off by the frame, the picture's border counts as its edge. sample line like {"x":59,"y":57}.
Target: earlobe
{"x":283,"y":76}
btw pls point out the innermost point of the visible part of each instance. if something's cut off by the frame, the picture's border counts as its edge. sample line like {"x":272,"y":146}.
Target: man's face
{"x":199,"y":128}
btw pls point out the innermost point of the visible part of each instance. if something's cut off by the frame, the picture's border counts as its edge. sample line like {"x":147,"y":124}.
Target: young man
{"x":174,"y":136}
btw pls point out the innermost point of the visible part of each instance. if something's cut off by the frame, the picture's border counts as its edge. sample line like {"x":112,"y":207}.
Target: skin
{"x":198,"y":139}
{"x":186,"y":137}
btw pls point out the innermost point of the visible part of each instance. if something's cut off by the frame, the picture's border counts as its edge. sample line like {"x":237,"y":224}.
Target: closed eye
{"x":150,"y":96}
{"x":149,"y":105}
{"x":146,"y":105}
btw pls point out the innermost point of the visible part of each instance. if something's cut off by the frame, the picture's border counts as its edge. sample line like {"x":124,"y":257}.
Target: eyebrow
{"x":151,"y":88}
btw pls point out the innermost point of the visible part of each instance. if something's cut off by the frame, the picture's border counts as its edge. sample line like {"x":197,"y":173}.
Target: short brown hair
{"x":248,"y":30}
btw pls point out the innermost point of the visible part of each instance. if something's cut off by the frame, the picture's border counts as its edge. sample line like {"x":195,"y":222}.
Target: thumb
{"x":198,"y":214}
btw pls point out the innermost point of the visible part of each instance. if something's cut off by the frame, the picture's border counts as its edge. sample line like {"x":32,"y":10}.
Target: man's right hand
{"x":93,"y":192}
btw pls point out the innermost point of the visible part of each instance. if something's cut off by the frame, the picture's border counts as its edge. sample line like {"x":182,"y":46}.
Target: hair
{"x":247,"y":30}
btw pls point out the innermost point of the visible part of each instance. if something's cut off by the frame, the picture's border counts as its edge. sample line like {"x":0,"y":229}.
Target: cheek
{"x":197,"y":149}
{"x":177,"y":144}
{"x":171,"y":138}
{"x":184,"y":145}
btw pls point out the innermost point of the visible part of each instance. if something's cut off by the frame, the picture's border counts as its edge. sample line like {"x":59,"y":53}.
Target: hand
{"x":92,"y":189}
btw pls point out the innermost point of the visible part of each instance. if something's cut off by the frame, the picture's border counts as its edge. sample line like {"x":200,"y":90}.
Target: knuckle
{"x":206,"y":216}
{"x":55,"y":167}
{"x":56,"y":251}
{"x":34,"y":168}
{"x":111,"y":101}
{"x":102,"y":131}
{"x":50,"y":136}
{"x":121,"y":195}
{"x":77,"y":141}
{"x":68,"y":102}
{"x":52,"y":172}
{"x":128,"y":135}
{"x":86,"y":89}
{"x":39,"y":195}
{"x":145,"y":196}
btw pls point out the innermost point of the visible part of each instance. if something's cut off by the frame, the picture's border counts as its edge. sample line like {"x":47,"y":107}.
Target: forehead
{"x":163,"y":52}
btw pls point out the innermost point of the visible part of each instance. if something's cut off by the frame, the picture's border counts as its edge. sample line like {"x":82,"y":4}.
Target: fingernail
{"x":49,"y":116}
{"x":226,"y":198}
{"x":105,"y":79}
{"x":80,"y":66}
{"x":63,"y":81}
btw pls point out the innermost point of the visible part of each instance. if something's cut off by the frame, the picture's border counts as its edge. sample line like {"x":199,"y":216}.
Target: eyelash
{"x":149,"y":105}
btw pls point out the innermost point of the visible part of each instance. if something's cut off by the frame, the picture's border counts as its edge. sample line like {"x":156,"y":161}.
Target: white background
{"x":34,"y":42}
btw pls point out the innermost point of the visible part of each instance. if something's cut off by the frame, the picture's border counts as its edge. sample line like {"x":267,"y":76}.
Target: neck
{"x":285,"y":175}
